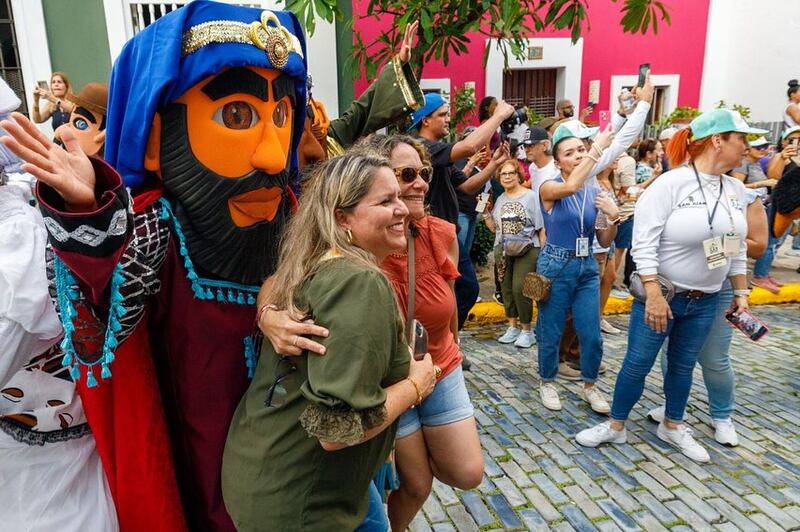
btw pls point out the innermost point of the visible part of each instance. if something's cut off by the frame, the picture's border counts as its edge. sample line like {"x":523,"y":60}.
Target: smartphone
{"x":420,"y":340}
{"x":42,"y":85}
{"x":605,"y":118}
{"x":643,"y":68}
{"x":751,"y":326}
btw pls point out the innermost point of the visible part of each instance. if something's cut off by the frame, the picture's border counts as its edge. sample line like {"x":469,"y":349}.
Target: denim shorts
{"x":624,"y":237}
{"x":448,"y":403}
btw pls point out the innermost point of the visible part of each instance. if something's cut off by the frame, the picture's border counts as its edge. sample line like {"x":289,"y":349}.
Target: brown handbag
{"x":536,"y":285}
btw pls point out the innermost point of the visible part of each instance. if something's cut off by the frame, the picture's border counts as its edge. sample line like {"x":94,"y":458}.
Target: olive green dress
{"x":275,"y":474}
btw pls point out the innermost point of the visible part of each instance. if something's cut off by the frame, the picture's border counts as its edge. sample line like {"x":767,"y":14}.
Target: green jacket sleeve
{"x":344,"y":387}
{"x":396,"y":93}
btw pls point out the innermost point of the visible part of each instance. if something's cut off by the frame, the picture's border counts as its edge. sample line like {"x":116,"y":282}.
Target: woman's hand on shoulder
{"x":423,"y":374}
{"x":289,"y":333}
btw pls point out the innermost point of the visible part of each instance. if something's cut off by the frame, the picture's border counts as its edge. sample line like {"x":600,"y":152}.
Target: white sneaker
{"x":607,"y":327}
{"x":549,"y":396}
{"x":620,"y":293}
{"x":525,"y":339}
{"x":793,"y":253}
{"x":595,"y":398}
{"x":511,"y":334}
{"x":602,"y":433}
{"x":681,"y":437}
{"x":725,"y":432}
{"x":657,"y":414}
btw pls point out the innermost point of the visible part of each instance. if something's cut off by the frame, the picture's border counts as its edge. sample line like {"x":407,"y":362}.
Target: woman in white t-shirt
{"x":517,"y":223}
{"x":791,"y":113}
{"x":690,"y":229}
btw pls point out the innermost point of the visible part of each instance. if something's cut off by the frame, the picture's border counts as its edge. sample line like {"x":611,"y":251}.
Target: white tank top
{"x":787,"y":119}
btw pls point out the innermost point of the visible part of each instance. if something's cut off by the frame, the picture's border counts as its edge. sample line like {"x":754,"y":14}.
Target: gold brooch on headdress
{"x":276,"y":40}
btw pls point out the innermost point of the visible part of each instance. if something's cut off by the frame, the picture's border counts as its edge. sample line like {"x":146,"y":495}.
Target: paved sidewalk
{"x":538,"y":478}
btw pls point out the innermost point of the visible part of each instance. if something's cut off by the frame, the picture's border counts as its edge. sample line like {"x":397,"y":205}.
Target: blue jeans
{"x":576,"y":288}
{"x":376,"y":519}
{"x":687,"y":332}
{"x":764,"y":262}
{"x":466,"y":287}
{"x":466,"y":230}
{"x":715,"y":360}
{"x":448,"y":403}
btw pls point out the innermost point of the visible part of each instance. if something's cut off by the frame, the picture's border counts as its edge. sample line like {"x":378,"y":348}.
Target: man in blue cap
{"x":206,"y":109}
{"x":432,"y":123}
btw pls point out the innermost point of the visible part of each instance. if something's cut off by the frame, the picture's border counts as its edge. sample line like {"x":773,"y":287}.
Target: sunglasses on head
{"x":408,"y":173}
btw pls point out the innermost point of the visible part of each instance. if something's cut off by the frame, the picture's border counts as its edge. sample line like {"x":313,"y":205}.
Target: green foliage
{"x":741,"y":109}
{"x":463,"y":108}
{"x":446,"y":25}
{"x":482,"y":245}
{"x":534,"y":117}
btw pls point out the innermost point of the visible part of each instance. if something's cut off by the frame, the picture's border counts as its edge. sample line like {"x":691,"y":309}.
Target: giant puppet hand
{"x":67,"y":170}
{"x":404,"y":56}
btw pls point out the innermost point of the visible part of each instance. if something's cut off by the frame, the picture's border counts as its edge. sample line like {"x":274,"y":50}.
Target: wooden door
{"x":533,"y":87}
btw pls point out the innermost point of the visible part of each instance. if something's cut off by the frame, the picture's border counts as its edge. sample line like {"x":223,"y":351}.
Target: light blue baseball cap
{"x":433,"y":100}
{"x":721,"y":121}
{"x":573,"y":128}
{"x":789,"y":131}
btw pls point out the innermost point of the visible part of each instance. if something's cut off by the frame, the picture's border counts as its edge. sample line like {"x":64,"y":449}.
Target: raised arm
{"x":393,"y":95}
{"x":483,"y":134}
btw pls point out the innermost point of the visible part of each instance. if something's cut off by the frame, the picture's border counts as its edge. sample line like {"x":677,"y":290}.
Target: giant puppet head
{"x":88,"y":118}
{"x":209,"y":102}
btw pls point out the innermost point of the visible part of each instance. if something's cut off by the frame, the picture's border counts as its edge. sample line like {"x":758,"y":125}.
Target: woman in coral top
{"x":439,"y":438}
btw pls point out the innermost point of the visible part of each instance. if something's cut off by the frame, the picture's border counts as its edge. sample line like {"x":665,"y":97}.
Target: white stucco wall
{"x":751,"y":53}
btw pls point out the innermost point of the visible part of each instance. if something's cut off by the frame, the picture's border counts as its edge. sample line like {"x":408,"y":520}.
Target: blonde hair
{"x":337,"y":184}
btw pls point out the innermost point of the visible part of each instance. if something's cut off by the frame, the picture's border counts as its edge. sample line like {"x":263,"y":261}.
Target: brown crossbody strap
{"x":411,"y":289}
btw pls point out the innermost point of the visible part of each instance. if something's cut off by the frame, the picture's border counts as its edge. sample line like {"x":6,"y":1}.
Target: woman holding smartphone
{"x":57,"y":106}
{"x":570,"y":207}
{"x":690,"y":230}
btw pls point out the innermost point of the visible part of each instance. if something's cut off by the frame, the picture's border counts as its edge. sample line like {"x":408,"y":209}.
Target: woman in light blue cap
{"x":570,"y":207}
{"x":689,"y":237}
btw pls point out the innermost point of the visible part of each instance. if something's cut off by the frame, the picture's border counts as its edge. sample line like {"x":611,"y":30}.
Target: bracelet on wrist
{"x":592,"y":157}
{"x":416,"y":389}
{"x":262,"y":310}
{"x":742,"y":292}
{"x":597,"y":150}
{"x":616,"y":221}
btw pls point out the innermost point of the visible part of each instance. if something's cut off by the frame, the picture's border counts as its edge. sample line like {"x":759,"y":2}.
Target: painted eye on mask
{"x":280,"y":114}
{"x":80,"y":124}
{"x":236,"y":115}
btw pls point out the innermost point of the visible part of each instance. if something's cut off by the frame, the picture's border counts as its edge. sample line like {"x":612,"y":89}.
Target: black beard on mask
{"x":217,"y":247}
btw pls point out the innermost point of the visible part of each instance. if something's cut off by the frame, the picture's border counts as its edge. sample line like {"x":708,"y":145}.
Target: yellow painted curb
{"x":491,"y":312}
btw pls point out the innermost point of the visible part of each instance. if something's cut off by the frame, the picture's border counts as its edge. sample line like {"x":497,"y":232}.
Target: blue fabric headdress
{"x":184,"y":47}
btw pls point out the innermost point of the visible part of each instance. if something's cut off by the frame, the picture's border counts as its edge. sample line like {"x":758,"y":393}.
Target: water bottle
{"x":601,"y":221}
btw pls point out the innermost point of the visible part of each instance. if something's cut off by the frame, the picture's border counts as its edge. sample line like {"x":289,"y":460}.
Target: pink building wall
{"x":677,"y":49}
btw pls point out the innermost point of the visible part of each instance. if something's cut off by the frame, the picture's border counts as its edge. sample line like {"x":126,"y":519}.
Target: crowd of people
{"x":280,"y":295}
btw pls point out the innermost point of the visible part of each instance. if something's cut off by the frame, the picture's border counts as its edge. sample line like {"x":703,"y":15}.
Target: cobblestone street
{"x":538,"y":478}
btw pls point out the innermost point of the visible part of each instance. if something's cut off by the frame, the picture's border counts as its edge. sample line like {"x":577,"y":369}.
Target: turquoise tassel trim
{"x":66,"y":296}
{"x":207,"y":289}
{"x":250,"y":356}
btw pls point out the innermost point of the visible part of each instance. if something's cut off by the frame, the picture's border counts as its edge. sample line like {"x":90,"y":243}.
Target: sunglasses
{"x":409,"y":174}
{"x":276,"y":393}
{"x":505,"y":174}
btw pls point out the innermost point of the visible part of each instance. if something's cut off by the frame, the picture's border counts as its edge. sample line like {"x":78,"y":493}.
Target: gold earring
{"x":349,"y":236}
